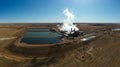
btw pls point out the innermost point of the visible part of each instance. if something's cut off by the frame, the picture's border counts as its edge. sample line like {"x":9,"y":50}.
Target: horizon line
{"x":58,"y":22}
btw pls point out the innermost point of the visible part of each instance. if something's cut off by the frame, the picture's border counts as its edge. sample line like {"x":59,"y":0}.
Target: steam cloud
{"x":69,"y":15}
{"x":68,"y":25}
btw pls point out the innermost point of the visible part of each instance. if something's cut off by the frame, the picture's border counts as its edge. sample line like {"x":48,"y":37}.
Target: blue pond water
{"x":41,"y":36}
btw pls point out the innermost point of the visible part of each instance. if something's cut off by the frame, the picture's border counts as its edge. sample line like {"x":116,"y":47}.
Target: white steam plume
{"x":69,"y":15}
{"x":68,"y":25}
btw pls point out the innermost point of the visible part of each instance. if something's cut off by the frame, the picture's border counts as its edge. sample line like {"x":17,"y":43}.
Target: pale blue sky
{"x":51,"y":10}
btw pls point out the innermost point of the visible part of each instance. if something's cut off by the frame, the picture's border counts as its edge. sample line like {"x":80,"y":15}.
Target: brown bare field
{"x":101,"y":52}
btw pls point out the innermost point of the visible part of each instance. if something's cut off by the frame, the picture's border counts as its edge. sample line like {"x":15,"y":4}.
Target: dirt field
{"x":101,"y":52}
